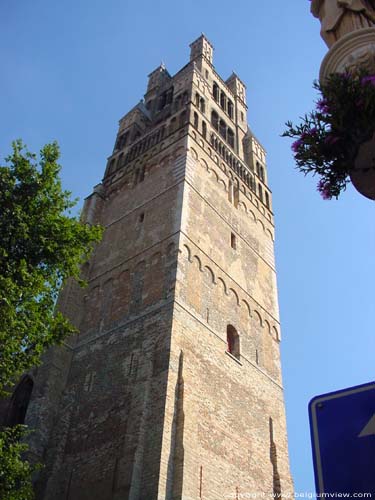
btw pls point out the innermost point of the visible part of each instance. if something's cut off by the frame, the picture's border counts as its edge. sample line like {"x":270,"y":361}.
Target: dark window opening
{"x":223,"y":99}
{"x":141,"y":217}
{"x":260,"y":192}
{"x":184,"y":98}
{"x":183,"y":116}
{"x":233,"y":242}
{"x":197,"y":99}
{"x":202,"y":105}
{"x":195,"y":120}
{"x":142,"y":174}
{"x":261,"y":173}
{"x":230,"y":108}
{"x":215,"y":120}
{"x":267,"y":199}
{"x":172,"y":125}
{"x":223,"y":129}
{"x":230,"y":137}
{"x":136,"y":177}
{"x":169,"y":96}
{"x":215,"y":92}
{"x":233,"y":342}
{"x":111,"y":166}
{"x":19,"y":403}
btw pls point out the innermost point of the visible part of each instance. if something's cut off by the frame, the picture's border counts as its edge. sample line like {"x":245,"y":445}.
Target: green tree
{"x":41,"y":246}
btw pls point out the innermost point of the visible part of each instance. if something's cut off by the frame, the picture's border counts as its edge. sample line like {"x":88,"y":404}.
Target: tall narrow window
{"x":215,"y":120}
{"x":230,"y":108}
{"x":233,"y":341}
{"x":19,"y":403}
{"x":223,"y":100}
{"x":111,"y":166}
{"x":260,"y":192}
{"x":172,"y":125}
{"x":230,"y":137}
{"x":261,"y":173}
{"x":142,"y":174}
{"x":223,"y":129}
{"x":169,"y":97}
{"x":233,"y":242}
{"x":267,"y":199}
{"x":120,"y":160}
{"x":202,"y":105}
{"x":195,"y":120}
{"x":258,"y":169}
{"x":136,"y":177}
{"x":215,"y":92}
{"x":183,"y":116}
{"x":177,"y":104}
{"x":197,"y":99}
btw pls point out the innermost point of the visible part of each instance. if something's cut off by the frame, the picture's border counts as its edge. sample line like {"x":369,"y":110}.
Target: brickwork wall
{"x":145,"y":403}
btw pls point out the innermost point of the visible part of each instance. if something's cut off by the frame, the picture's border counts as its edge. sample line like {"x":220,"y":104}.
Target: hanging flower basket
{"x":336,"y":141}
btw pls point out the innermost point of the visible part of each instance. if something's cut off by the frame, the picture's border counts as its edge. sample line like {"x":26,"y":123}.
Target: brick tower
{"x":172,"y":389}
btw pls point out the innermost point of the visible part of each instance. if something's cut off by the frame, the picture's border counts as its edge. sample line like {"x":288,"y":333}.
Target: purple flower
{"x":322,"y":106}
{"x":368,"y":79}
{"x":313,"y":131}
{"x":324,"y":189}
{"x":296,"y":145}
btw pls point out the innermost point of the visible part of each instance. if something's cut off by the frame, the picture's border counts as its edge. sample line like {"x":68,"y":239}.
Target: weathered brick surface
{"x":145,"y":403}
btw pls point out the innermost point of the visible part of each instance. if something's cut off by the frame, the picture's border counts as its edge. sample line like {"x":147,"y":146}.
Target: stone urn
{"x":348,"y":28}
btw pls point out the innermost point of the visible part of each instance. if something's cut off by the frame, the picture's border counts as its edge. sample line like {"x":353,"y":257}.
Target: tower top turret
{"x":202,"y":47}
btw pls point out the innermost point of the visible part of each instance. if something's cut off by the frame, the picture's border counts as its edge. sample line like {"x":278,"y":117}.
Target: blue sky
{"x":70,"y":70}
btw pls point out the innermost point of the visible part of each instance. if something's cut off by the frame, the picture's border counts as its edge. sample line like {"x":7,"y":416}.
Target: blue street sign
{"x":342,"y":427}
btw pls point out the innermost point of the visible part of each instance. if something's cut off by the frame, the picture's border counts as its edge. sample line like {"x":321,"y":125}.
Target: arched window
{"x":111,"y":166}
{"x":177,"y":104}
{"x":172,"y":125}
{"x":195,"y":120}
{"x":19,"y":403}
{"x":260,"y":192}
{"x":252,"y":184}
{"x":184,"y":98}
{"x":136,"y":135}
{"x":169,"y":96}
{"x":215,"y":92}
{"x":230,"y":137}
{"x":202,"y":105}
{"x":233,"y":342}
{"x":142,"y":174}
{"x":182,"y":118}
{"x":261,"y":173}
{"x":136,"y":177}
{"x":267,"y":199}
{"x":204,"y":129}
{"x":223,"y":100}
{"x":258,"y":169}
{"x":223,"y":129}
{"x":197,"y":99}
{"x":215,"y":120}
{"x":120,"y":160}
{"x":230,"y":108}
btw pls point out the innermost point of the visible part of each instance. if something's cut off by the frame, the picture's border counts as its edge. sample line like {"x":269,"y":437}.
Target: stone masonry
{"x":172,"y":388}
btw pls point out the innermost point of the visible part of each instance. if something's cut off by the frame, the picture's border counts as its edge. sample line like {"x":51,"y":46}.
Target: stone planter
{"x":354,"y":50}
{"x":348,"y":28}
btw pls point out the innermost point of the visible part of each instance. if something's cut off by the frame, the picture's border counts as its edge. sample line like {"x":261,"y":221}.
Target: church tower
{"x":172,"y":388}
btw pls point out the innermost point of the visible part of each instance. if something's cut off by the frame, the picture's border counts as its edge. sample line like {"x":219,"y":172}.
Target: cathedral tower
{"x":172,"y":389}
